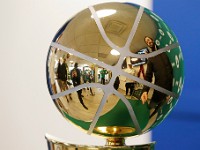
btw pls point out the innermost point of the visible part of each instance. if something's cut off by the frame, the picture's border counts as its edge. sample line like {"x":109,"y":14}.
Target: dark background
{"x":181,"y":129}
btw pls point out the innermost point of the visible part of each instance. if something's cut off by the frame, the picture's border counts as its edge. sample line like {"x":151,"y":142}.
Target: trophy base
{"x":111,"y":144}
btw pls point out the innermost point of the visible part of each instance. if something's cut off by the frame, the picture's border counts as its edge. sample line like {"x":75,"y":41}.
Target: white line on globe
{"x":124,"y":51}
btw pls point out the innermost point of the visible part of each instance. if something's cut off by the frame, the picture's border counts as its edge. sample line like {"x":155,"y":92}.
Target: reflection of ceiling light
{"x":85,"y":65}
{"x":102,"y":129}
{"x":71,"y":61}
{"x":104,"y":13}
{"x":70,"y":54}
{"x":134,"y":59}
{"x":114,"y":52}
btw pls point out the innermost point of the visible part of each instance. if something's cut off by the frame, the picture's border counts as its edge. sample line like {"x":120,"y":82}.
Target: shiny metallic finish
{"x":54,"y":144}
{"x":115,"y":69}
{"x":115,"y":130}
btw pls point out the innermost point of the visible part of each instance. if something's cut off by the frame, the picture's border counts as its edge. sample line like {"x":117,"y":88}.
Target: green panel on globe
{"x":119,"y":116}
{"x":82,"y":124}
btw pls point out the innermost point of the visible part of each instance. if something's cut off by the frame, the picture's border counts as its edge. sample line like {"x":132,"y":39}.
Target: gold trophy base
{"x":111,"y":144}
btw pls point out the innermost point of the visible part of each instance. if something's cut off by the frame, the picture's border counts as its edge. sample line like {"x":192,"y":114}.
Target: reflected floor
{"x":75,"y":109}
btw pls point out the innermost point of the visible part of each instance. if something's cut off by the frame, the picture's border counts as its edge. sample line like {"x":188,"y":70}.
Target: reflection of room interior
{"x":130,"y":65}
{"x":107,"y":75}
{"x":86,"y":68}
{"x":92,"y":102}
{"x":136,"y":67}
{"x":131,"y":69}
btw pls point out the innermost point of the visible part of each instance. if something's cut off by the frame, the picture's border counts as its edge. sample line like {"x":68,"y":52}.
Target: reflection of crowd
{"x":63,"y":76}
{"x":157,"y":70}
{"x":76,"y":75}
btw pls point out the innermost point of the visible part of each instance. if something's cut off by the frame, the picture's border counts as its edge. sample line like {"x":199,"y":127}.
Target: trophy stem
{"x":115,"y":142}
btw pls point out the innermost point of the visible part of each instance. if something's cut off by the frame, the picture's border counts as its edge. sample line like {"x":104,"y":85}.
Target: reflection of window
{"x":139,"y":61}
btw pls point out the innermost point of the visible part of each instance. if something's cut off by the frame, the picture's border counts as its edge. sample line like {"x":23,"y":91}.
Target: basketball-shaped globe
{"x":115,"y":69}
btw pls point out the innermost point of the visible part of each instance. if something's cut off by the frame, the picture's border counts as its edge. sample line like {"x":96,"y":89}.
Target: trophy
{"x":114,"y":70}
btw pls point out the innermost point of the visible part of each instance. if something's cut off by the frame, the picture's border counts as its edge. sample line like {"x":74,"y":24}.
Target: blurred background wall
{"x":181,"y":128}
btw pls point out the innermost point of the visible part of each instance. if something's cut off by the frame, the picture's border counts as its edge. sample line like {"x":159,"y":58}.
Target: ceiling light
{"x":85,"y":65}
{"x":134,"y":59}
{"x":114,"y":52}
{"x":104,"y":13}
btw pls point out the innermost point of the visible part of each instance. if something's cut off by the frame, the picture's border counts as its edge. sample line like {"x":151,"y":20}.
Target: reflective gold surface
{"x":54,"y":144}
{"x":115,"y":70}
{"x":115,"y":130}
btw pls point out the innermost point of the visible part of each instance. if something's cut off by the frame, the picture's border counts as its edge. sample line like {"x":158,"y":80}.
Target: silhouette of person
{"x":90,"y":81}
{"x":116,"y":83}
{"x":76,"y":80}
{"x":161,"y":68}
{"x":141,"y":70}
{"x":103,"y":73}
{"x":62,"y":76}
{"x":130,"y":87}
{"x":130,"y":84}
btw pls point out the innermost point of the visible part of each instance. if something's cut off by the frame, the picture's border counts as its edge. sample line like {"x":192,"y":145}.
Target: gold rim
{"x":114,"y":130}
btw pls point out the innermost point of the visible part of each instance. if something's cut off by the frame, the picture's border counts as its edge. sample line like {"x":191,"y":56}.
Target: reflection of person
{"x":103,"y":73}
{"x":130,"y":84}
{"x":141,"y":70}
{"x":76,"y":79}
{"x":85,"y":76}
{"x":161,"y":68}
{"x":90,"y":81}
{"x":62,"y":76}
{"x":116,"y":83}
{"x":130,"y":87}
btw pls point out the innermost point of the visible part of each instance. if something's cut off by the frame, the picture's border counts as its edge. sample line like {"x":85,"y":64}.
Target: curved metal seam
{"x":97,"y":115}
{"x":101,"y":29}
{"x":134,"y":27}
{"x":155,"y":53}
{"x":115,"y":72}
{"x":113,"y":68}
{"x":151,"y":85}
{"x":152,"y":54}
{"x":76,"y":88}
{"x":131,"y":112}
{"x":78,"y":54}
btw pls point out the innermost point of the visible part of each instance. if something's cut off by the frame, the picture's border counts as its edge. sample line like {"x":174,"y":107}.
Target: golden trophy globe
{"x":114,"y":70}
